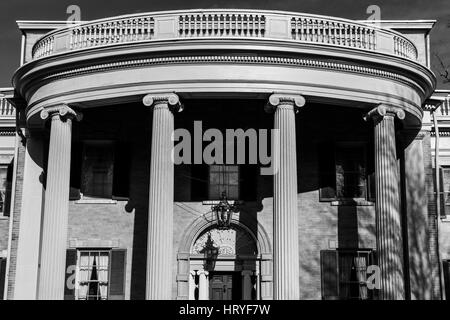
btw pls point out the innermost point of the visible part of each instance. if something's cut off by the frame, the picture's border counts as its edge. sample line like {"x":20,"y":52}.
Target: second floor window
{"x":224,"y":178}
{"x":97,"y":169}
{"x":345,"y":172}
{"x":350,"y":172}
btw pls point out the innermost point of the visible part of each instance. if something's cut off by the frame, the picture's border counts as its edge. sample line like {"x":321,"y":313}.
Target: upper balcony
{"x":234,"y":24}
{"x":225,"y":53}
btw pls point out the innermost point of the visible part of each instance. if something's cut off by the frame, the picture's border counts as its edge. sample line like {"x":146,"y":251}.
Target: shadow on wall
{"x":415,"y":221}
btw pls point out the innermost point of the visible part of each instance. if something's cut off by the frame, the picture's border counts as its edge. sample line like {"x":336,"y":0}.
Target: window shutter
{"x":327,"y":172}
{"x":248,"y":182}
{"x":7,"y":200}
{"x":75,"y":170}
{"x":2,"y":276}
{"x":370,"y":172}
{"x":446,"y":271}
{"x":117,"y":274}
{"x":121,"y":175}
{"x":199,"y":182}
{"x":69,"y":279}
{"x":330,"y":275}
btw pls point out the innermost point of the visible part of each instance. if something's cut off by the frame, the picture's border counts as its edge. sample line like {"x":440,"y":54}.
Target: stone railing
{"x":6,"y":109}
{"x":287,"y":26}
{"x":444,"y":109}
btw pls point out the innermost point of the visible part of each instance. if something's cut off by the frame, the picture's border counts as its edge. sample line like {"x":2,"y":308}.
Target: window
{"x":344,"y":274}
{"x":346,"y":172}
{"x":92,"y":277}
{"x":97,"y":169}
{"x":5,"y":188}
{"x":95,"y":274}
{"x":445,"y":192}
{"x":350,"y":173}
{"x":223,"y":178}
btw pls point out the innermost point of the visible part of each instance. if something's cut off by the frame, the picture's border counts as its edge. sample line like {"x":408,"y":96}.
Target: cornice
{"x":299,"y":62}
{"x":318,"y":56}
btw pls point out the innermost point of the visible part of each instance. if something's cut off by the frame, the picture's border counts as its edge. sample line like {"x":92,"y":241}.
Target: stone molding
{"x":164,"y":99}
{"x":278,"y":100}
{"x":64,"y":112}
{"x":382,"y":111}
{"x":313,"y":63}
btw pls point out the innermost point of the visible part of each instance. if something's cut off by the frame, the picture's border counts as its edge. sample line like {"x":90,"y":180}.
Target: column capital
{"x":63,"y":111}
{"x":383,"y":110}
{"x":170,"y":99}
{"x":279,"y":99}
{"x":247,"y":272}
{"x":203,"y":272}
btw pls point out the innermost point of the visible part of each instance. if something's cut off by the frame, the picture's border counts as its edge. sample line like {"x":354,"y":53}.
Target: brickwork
{"x":16,"y":219}
{"x":432,"y":221}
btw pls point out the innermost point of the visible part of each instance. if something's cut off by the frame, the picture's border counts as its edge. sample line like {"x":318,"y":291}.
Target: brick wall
{"x":432,"y":219}
{"x":16,"y":219}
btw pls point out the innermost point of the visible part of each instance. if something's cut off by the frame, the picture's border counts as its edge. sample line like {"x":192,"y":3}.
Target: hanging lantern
{"x":224,"y":211}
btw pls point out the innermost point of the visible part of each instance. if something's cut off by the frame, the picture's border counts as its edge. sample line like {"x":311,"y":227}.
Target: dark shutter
{"x":327,"y":172}
{"x":370,"y":164}
{"x":2,"y":276}
{"x":199,"y":182}
{"x":69,"y":279}
{"x":446,"y":272}
{"x":330,"y":276}
{"x":121,"y":175}
{"x":9,"y":179}
{"x":248,"y":177}
{"x":75,"y":170}
{"x":117,"y":274}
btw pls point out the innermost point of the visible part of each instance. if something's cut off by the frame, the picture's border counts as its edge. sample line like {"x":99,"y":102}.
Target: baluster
{"x":353,"y":36}
{"x":89,"y":36}
{"x":125,"y":30}
{"x":314,"y":31}
{"x":348,"y":35}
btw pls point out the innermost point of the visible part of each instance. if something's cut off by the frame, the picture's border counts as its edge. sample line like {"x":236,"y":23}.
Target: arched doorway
{"x":223,"y":264}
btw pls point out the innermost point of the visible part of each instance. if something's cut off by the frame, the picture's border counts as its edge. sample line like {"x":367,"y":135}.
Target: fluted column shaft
{"x":26,"y":281}
{"x":285,"y":220}
{"x":246,"y":284}
{"x":56,"y":209}
{"x":203,"y":285}
{"x":388,"y":216}
{"x":160,"y":208}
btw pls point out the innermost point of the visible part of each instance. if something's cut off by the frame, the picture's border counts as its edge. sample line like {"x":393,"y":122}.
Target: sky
{"x":13,"y":10}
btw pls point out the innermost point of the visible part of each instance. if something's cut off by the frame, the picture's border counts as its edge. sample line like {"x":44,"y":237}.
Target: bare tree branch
{"x":444,"y":71}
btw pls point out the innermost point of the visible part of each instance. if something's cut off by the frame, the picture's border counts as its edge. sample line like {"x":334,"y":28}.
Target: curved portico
{"x":287,"y":59}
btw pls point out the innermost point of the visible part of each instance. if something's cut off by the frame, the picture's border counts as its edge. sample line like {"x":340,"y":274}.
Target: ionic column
{"x":26,"y":280}
{"x":388,"y":216}
{"x":160,"y":207}
{"x":285,"y":231}
{"x":247,"y":284}
{"x":56,"y":208}
{"x":203,"y":286}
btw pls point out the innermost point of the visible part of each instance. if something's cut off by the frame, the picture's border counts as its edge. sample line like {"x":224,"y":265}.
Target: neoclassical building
{"x":101,"y":210}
